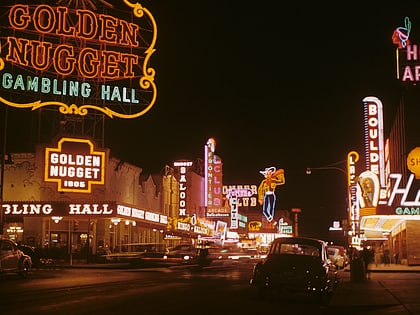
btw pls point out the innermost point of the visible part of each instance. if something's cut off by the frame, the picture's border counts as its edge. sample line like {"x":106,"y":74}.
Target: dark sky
{"x":275,"y":84}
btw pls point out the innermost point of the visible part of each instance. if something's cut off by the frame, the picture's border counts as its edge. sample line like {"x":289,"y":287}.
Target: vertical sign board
{"x":74,"y":165}
{"x":213,"y":173}
{"x":183,"y":167}
{"x":352,"y":158}
{"x":78,"y":57}
{"x":209,"y":149}
{"x":374,"y":141}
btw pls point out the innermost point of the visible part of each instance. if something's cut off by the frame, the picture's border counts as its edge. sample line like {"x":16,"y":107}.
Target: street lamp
{"x":331,"y":167}
{"x":328,"y":167}
{"x":3,"y":154}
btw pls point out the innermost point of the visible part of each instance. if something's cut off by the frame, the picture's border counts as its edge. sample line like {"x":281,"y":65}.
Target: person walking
{"x":387,"y":258}
{"x":367,"y":256}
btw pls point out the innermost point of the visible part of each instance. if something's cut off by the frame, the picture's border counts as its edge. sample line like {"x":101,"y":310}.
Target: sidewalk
{"x":389,"y":268}
{"x":353,"y":297}
{"x":368,"y":296}
{"x":393,"y":268}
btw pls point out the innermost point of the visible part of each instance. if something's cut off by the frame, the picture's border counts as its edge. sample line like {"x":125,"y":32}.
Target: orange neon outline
{"x":356,"y":159}
{"x":50,"y":20}
{"x":59,"y":180}
{"x":146,"y":82}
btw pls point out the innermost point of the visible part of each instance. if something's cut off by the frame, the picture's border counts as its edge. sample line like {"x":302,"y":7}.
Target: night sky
{"x":274,"y":84}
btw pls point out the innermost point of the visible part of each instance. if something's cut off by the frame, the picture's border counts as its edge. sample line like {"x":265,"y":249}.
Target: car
{"x":342,"y":251}
{"x":181,"y":254}
{"x":244,"y":255}
{"x":336,"y":258}
{"x":35,"y":254}
{"x":13,"y":260}
{"x":295,"y":267}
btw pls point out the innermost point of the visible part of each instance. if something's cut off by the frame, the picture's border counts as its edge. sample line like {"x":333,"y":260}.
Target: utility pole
{"x":3,"y":154}
{"x":296,"y":212}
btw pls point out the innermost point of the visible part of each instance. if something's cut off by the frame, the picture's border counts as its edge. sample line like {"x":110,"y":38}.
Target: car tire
{"x":25,"y":270}
{"x":324,"y":298}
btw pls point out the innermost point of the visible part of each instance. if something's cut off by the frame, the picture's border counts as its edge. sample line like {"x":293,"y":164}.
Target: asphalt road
{"x":222,"y":290}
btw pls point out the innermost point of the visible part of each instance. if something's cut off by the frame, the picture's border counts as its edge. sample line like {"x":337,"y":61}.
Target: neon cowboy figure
{"x":266,"y":195}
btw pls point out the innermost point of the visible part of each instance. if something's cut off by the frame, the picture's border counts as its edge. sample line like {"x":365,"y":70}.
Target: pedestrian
{"x":378,"y":256}
{"x":386,"y":257}
{"x":367,"y":256}
{"x":396,"y":258}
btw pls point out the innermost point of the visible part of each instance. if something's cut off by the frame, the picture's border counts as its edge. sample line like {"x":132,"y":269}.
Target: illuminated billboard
{"x":213,"y":173}
{"x":374,"y":139}
{"x":266,"y":190}
{"x":74,"y":165}
{"x":78,"y":57}
{"x":183,"y":167}
{"x":407,"y":55}
{"x":354,"y":206}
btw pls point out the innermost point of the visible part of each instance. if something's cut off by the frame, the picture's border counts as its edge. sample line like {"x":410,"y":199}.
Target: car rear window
{"x":294,"y":249}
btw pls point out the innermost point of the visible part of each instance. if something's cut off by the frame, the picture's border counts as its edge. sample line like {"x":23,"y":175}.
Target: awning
{"x":376,"y":225}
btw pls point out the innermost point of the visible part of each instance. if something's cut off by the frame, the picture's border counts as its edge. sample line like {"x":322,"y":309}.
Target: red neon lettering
{"x":19,"y":17}
{"x":64,"y":61}
{"x":109,"y":31}
{"x":110,"y":63}
{"x":87,"y":25}
{"x":88,"y":61}
{"x":44,"y":19}
{"x":39,"y":59}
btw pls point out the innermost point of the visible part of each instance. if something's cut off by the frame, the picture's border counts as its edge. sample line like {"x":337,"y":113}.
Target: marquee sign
{"x":78,"y":57}
{"x":354,"y":208}
{"x":247,"y":194}
{"x":58,"y":208}
{"x":184,"y":167}
{"x":74,"y":165}
{"x":213,"y":173}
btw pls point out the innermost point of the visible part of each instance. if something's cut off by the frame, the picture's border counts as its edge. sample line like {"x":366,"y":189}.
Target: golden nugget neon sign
{"x":53,"y":54}
{"x":74,"y":165}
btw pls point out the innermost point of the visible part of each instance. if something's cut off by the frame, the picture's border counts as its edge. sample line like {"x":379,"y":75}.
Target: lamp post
{"x":3,"y":154}
{"x":328,"y":167}
{"x":332,"y":167}
{"x":351,"y":181}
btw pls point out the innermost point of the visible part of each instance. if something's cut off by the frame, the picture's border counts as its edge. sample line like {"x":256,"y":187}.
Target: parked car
{"x":336,"y":258}
{"x":12,"y":259}
{"x":34,"y":253}
{"x":294,"y":267}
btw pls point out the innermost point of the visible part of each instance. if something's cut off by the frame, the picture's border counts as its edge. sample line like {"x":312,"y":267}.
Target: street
{"x":221,"y":290}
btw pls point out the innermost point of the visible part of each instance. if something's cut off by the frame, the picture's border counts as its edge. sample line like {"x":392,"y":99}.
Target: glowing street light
{"x":328,"y":167}
{"x":350,"y":173}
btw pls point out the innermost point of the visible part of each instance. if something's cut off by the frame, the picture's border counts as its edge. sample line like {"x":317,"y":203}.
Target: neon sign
{"x":401,"y":34}
{"x":213,"y":181}
{"x":58,"y":208}
{"x":404,"y":191}
{"x":74,"y":165}
{"x":246,"y":194}
{"x":407,"y":54}
{"x":78,"y":59}
{"x":354,"y":213}
{"x":266,"y":190}
{"x":183,"y":168}
{"x":374,"y":137}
